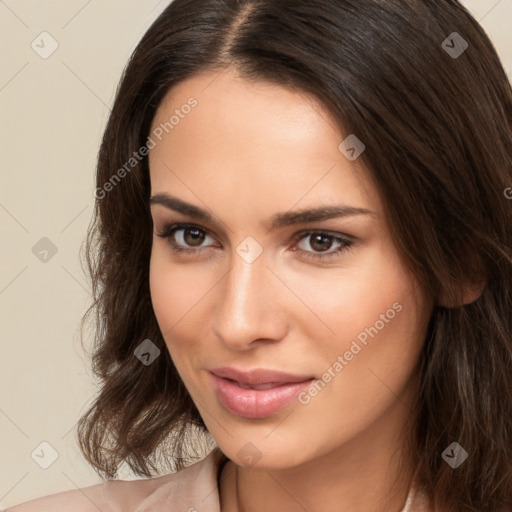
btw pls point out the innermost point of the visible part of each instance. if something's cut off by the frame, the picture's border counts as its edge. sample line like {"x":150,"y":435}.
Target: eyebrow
{"x":278,"y":220}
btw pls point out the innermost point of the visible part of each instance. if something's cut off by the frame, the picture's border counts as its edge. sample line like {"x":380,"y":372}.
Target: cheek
{"x":346,"y":301}
{"x":382,"y":353}
{"x":172,"y":297}
{"x":378,"y":319}
{"x":179,"y":298}
{"x":361,"y":380}
{"x":164,"y":291}
{"x":175,"y":290}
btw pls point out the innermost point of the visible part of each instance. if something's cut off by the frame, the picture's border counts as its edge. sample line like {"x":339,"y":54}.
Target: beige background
{"x":52,"y":113}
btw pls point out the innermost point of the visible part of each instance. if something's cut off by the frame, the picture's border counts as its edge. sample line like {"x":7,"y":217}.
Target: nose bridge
{"x":247,"y":301}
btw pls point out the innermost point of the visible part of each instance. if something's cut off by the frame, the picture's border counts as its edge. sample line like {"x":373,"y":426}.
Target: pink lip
{"x":258,"y":376}
{"x":257,"y":403}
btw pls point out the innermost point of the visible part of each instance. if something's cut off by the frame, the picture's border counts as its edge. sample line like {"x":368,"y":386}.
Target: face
{"x":247,"y":284}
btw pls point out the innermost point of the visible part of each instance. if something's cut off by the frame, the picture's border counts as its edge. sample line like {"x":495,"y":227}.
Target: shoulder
{"x":192,"y":483}
{"x":86,"y":499}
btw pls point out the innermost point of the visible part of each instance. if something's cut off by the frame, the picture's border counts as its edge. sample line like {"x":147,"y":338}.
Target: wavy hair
{"x":437,"y":124}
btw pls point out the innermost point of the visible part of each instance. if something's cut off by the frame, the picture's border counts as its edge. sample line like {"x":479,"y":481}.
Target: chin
{"x":265,"y":453}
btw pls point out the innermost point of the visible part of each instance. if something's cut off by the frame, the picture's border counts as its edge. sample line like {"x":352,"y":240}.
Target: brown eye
{"x":193,"y":237}
{"x":320,"y":242}
{"x":183,"y":238}
{"x":317,"y":244}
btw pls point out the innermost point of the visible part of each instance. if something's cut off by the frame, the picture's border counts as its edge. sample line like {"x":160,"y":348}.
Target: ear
{"x":470,"y":293}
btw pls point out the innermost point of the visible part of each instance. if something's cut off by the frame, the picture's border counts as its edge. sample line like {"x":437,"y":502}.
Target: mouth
{"x":258,"y":376}
{"x":270,"y":385}
{"x":257,"y":399}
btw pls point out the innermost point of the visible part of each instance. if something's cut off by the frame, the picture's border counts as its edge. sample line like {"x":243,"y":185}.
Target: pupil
{"x":193,"y":236}
{"x":321,"y":242}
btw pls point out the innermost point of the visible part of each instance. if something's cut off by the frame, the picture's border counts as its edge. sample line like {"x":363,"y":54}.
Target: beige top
{"x":193,"y":489}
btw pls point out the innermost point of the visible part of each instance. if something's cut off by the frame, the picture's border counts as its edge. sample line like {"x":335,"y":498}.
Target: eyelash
{"x":170,"y":230}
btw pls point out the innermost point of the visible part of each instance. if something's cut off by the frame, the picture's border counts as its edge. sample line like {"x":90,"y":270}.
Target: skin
{"x":246,"y":152}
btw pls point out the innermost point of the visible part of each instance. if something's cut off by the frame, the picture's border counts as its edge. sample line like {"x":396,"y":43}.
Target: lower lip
{"x":256,"y":403}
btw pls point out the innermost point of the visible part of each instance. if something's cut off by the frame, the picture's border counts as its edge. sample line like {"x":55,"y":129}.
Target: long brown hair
{"x":434,"y":110}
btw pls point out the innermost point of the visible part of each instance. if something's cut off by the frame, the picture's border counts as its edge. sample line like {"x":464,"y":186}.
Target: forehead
{"x":255,"y":139}
{"x":225,"y":102}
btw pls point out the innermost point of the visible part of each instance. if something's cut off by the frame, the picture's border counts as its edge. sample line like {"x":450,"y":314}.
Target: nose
{"x":249,"y":307}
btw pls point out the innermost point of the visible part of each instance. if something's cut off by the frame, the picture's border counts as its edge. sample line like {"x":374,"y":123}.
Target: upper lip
{"x":257,"y":376}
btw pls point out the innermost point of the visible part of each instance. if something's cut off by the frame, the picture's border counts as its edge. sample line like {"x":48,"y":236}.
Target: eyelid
{"x":167,"y":227}
{"x":348,"y":241}
{"x":329,"y":232}
{"x":170,"y":229}
{"x":329,"y":255}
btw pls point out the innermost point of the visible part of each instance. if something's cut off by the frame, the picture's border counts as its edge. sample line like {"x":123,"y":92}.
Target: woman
{"x":302,"y":257}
